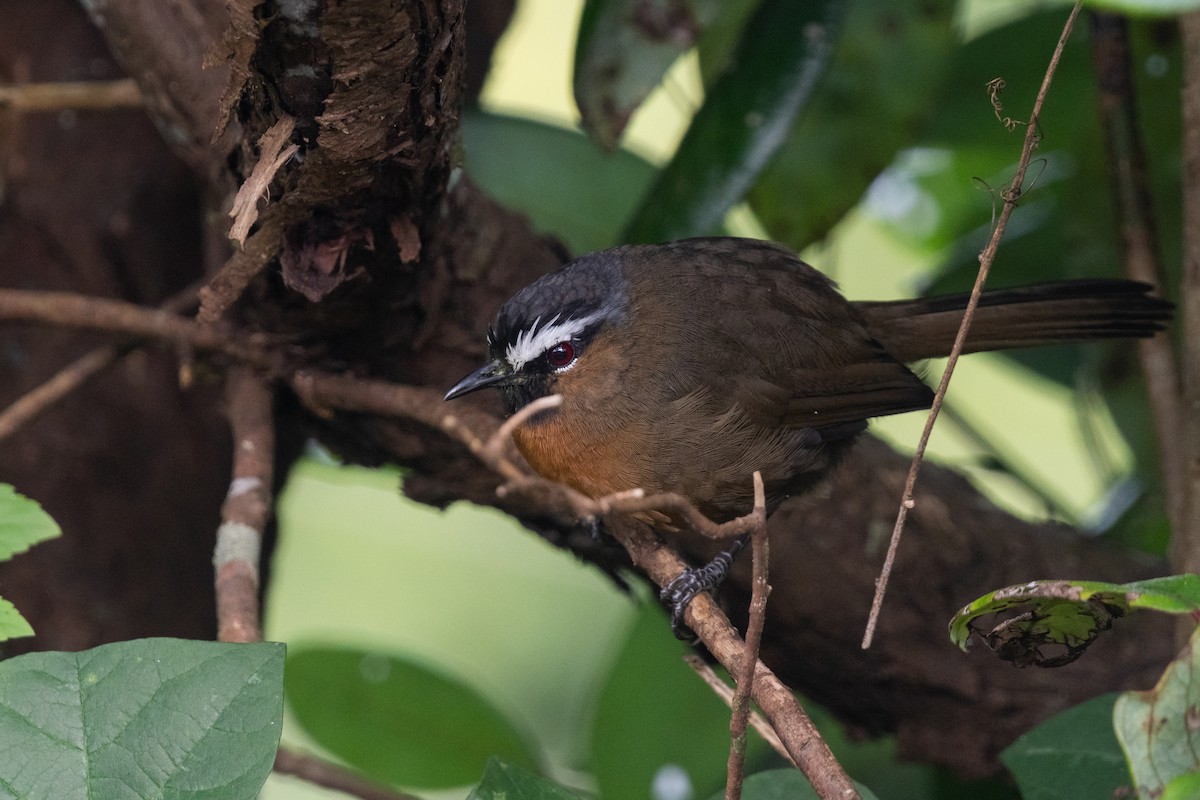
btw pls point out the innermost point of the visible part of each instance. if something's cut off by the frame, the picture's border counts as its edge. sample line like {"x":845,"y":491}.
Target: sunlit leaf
{"x":23,"y":523}
{"x":149,"y":718}
{"x":624,"y":49}
{"x":398,"y":721}
{"x":1065,"y":617}
{"x":1073,"y":754}
{"x":745,"y":118}
{"x":1157,"y":728}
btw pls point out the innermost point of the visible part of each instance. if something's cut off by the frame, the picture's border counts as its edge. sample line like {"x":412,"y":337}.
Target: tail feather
{"x":1027,"y":316}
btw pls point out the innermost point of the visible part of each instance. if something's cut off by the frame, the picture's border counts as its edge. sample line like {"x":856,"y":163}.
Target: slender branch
{"x":986,"y":258}
{"x":1189,"y":292}
{"x":760,"y":588}
{"x":1139,"y":236}
{"x":247,"y":507}
{"x":76,"y":374}
{"x":722,"y":690}
{"x":333,"y":776}
{"x":116,"y":316}
{"x":797,"y":732}
{"x":99,"y":95}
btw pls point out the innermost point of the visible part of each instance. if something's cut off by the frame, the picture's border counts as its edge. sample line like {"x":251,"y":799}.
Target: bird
{"x":687,"y":366}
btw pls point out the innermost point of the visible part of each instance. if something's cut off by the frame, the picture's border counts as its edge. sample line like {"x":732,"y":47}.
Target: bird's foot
{"x":679,"y":593}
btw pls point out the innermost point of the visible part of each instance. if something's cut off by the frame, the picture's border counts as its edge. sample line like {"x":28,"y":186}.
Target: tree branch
{"x":986,"y":258}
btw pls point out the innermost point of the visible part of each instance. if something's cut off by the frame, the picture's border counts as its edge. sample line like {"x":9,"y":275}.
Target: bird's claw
{"x":679,"y":593}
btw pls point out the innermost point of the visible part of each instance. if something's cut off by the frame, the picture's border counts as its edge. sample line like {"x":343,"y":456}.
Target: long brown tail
{"x":1027,"y":316}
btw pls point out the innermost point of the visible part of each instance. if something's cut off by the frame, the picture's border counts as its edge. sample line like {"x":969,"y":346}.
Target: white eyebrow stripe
{"x":530,"y":344}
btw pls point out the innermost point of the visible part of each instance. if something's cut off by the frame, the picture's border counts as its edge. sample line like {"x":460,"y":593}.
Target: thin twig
{"x":80,"y":96}
{"x":495,"y":447}
{"x":986,"y":258}
{"x":760,"y":588}
{"x":247,"y":507}
{"x":333,"y":776}
{"x":799,"y":736}
{"x":1139,"y":236}
{"x":117,"y":316}
{"x":76,"y":374}
{"x":722,"y":690}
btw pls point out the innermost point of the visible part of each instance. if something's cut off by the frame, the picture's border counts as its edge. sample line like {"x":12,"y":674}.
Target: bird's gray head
{"x":544,"y":329}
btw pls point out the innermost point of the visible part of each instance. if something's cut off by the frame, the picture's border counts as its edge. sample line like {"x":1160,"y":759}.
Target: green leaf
{"x":744,"y":120}
{"x":149,"y":718}
{"x":1073,"y":754}
{"x":23,"y":523}
{"x":783,"y":784}
{"x":624,"y":49}
{"x":1183,"y":787}
{"x":12,"y":624}
{"x":1156,"y":728}
{"x":398,"y":721}
{"x":883,"y":83}
{"x":1066,"y":616}
{"x":506,"y":781}
{"x":570,"y":189}
{"x":655,"y":713}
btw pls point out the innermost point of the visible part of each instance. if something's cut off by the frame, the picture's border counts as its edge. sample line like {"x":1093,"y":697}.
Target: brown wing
{"x":774,"y":335}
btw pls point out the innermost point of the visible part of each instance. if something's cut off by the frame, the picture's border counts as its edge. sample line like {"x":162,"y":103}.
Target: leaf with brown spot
{"x":1156,"y":728}
{"x":1050,"y":623}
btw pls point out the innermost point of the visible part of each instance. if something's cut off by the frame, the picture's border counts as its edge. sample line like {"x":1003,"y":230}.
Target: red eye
{"x":561,"y":355}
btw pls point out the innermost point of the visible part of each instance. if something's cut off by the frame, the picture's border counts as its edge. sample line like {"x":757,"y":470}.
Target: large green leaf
{"x":1073,"y":754}
{"x":1157,"y":728}
{"x":745,"y":118}
{"x":398,"y":721}
{"x":655,"y":714}
{"x":623,"y":51}
{"x":556,"y":177}
{"x":506,"y":781}
{"x":161,"y":718}
{"x":783,"y":784}
{"x":1052,"y":622}
{"x":882,"y":85}
{"x":23,"y":523}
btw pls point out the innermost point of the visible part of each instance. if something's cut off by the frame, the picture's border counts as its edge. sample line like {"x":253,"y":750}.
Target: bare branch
{"x":74,"y":375}
{"x":986,"y":258}
{"x":754,"y":627}
{"x":97,"y":95}
{"x":247,"y":507}
{"x":722,"y":690}
{"x":333,"y":776}
{"x":116,"y":316}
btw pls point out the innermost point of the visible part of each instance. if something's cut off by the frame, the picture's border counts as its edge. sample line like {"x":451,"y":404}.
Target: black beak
{"x":490,"y":374}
